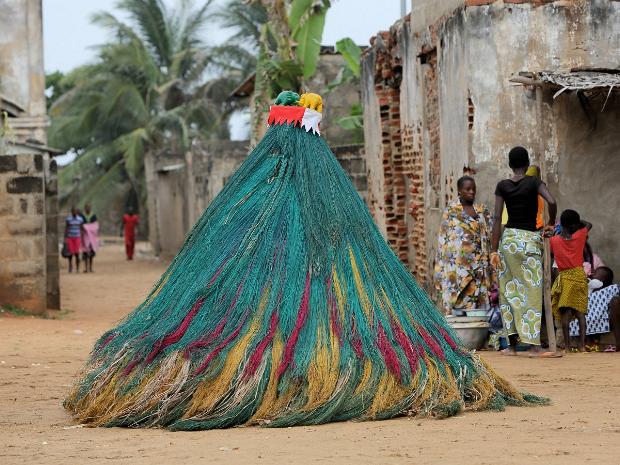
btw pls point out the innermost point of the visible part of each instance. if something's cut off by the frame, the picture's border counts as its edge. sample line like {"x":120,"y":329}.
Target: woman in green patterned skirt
{"x":518,"y":258}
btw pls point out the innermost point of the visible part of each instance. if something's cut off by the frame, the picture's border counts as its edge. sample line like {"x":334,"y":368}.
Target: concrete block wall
{"x":23,"y":256}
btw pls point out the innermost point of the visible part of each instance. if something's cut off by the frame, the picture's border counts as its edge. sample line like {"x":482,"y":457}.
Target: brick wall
{"x":402,"y":158}
{"x":387,"y":77}
{"x":23,"y":260}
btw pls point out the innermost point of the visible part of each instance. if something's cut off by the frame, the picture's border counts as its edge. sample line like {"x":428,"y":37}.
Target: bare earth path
{"x":38,"y":360}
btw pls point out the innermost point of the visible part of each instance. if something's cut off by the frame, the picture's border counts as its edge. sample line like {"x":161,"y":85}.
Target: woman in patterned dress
{"x":518,"y":257}
{"x":463,"y":274}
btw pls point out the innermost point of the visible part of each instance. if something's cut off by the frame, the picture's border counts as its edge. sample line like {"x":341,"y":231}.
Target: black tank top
{"x":521,"y":198}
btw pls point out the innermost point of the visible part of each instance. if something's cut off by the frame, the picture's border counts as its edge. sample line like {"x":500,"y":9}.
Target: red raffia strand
{"x":222,"y":345}
{"x":292,"y":340}
{"x":407,"y":346}
{"x":257,"y":355}
{"x":431,"y":343}
{"x":448,"y":339}
{"x":388,"y":353}
{"x":356,"y":341}
{"x":177,"y":334}
{"x":207,"y":341}
{"x":106,"y":341}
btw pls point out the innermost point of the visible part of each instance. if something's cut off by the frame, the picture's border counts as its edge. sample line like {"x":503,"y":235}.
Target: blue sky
{"x":69,"y":36}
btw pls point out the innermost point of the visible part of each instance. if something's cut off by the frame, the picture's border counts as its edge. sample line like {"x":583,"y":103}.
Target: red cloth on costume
{"x":130,"y":222}
{"x":568,"y":253}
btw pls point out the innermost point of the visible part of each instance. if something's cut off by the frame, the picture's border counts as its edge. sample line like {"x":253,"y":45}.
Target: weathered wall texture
{"x":29,"y":274}
{"x":23,"y":268}
{"x":22,"y":77}
{"x":459,"y":113}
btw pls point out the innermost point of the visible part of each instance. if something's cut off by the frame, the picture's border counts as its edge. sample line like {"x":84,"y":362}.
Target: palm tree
{"x":147,"y":89}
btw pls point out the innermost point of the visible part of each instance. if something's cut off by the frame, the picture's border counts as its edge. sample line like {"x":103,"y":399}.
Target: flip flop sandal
{"x":610,"y":348}
{"x":546,"y":355}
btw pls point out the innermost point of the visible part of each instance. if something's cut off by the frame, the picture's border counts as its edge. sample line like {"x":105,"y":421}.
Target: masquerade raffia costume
{"x":285,"y":306}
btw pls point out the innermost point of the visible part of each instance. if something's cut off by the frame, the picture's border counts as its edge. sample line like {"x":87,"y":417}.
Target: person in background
{"x":569,"y":295}
{"x":90,"y":237}
{"x":591,"y":261}
{"x":614,"y":320}
{"x":534,"y":171}
{"x":463,"y":274}
{"x":73,"y":234}
{"x":602,"y":292}
{"x":519,"y":256}
{"x":129,"y":230}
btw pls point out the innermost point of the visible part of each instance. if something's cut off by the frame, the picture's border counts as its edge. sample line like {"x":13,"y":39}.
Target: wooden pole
{"x":547,"y":253}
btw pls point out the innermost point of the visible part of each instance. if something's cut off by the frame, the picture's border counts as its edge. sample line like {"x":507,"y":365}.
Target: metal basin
{"x":473,"y":334}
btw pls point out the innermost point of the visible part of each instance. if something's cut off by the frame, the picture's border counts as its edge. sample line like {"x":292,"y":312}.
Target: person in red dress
{"x":130,"y":229}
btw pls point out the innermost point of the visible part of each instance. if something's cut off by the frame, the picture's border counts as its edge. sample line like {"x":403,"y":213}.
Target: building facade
{"x":443,"y":96}
{"x":29,"y":273}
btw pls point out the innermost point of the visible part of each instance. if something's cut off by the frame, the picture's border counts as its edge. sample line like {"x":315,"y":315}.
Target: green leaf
{"x":350,"y":122}
{"x":306,"y":21}
{"x":351,"y":53}
{"x":308,"y":38}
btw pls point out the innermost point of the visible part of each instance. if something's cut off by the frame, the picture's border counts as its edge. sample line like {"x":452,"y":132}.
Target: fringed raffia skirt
{"x":284,"y":307}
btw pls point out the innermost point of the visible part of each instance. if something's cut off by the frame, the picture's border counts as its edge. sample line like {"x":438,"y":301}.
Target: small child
{"x":569,"y":295}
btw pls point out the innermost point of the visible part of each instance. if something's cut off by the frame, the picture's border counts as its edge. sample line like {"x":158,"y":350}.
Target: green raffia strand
{"x":287,"y":98}
{"x":289,"y":211}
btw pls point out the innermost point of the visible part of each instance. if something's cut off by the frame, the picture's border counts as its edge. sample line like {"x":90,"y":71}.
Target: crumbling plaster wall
{"x":503,"y":40}
{"x":373,"y":140}
{"x":21,"y":55}
{"x":588,"y":170}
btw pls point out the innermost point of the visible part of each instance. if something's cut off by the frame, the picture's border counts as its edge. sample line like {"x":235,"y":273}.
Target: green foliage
{"x":283,"y":75}
{"x":147,"y":89}
{"x":352,"y":53}
{"x":307,"y":21}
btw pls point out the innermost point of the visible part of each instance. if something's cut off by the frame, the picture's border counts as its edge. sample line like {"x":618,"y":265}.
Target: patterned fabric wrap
{"x":463,"y":274}
{"x":285,"y":306}
{"x":570,"y":289}
{"x":520,"y":282}
{"x":597,"y":318}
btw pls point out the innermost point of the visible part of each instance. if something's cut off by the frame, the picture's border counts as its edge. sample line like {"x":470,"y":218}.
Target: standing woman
{"x":519,"y":255}
{"x":129,"y":229}
{"x":463,"y":274}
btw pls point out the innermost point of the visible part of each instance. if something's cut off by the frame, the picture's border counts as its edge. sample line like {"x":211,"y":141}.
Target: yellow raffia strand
{"x":497,"y":381}
{"x":449,"y":387}
{"x":208,"y":393}
{"x":431,"y":383}
{"x":92,"y":408}
{"x":323,"y":372}
{"x":271,"y":406}
{"x":365,"y":377}
{"x":340,"y":291}
{"x":158,"y":290}
{"x":126,"y":404}
{"x":152,"y":389}
{"x":389,"y":304}
{"x":389,"y":393}
{"x":359,"y":285}
{"x":312,"y":101}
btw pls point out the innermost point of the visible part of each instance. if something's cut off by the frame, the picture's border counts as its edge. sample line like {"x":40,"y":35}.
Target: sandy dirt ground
{"x":39,"y":358}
